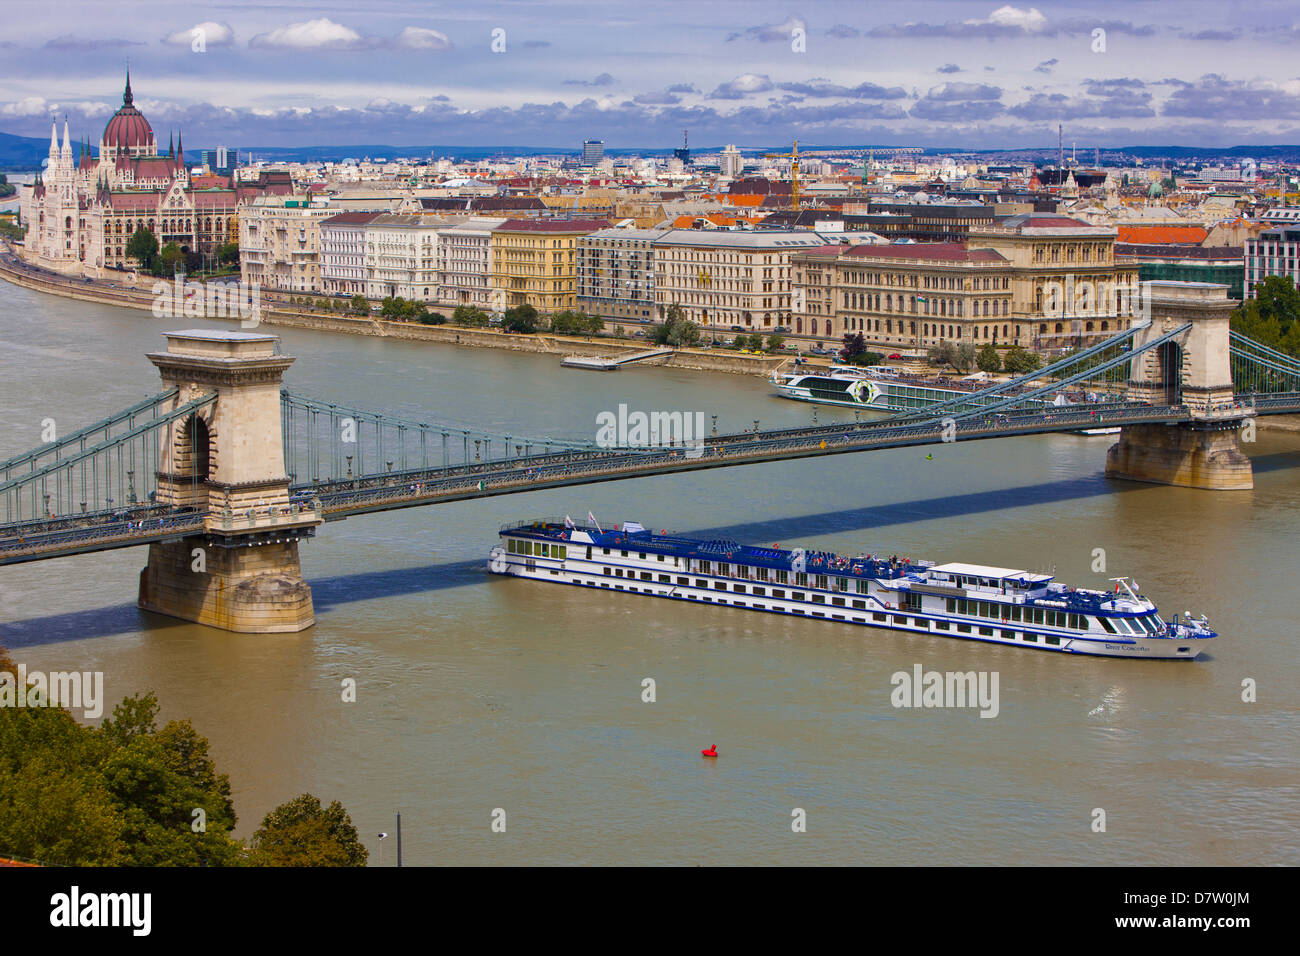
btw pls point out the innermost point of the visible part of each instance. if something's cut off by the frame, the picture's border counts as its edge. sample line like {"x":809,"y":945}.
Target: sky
{"x":636,"y":74}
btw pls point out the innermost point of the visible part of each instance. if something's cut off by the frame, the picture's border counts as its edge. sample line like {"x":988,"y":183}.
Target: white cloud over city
{"x":932,"y":73}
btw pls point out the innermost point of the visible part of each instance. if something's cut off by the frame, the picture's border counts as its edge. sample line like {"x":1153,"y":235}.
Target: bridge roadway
{"x":337,"y":499}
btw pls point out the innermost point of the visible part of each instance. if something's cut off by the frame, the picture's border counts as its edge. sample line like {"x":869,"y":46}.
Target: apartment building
{"x":726,"y":280}
{"x":534,"y":262}
{"x":616,"y":274}
{"x":465,"y":262}
{"x":343,"y":253}
{"x":280,"y":243}
{"x":1037,"y":280}
{"x":1274,"y":252}
{"x":402,"y":256}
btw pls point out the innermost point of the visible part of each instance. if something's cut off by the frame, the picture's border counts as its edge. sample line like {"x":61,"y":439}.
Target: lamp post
{"x":382,"y":838}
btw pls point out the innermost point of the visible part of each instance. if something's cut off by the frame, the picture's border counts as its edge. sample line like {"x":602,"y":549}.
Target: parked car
{"x":895,"y":356}
{"x":780,"y":330}
{"x":736,"y":328}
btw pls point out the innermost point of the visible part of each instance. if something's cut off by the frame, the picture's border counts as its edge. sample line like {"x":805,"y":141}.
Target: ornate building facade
{"x":81,"y":213}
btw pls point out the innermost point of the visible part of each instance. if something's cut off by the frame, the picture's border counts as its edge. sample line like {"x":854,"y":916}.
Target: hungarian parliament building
{"x":82,"y":211}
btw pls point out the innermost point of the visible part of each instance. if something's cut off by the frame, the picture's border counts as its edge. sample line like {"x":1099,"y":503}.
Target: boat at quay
{"x":965,"y":601}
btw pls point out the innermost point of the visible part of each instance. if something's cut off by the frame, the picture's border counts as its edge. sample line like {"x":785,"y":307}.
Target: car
{"x":895,"y":356}
{"x":780,"y":330}
{"x":736,"y":328}
{"x":376,"y":308}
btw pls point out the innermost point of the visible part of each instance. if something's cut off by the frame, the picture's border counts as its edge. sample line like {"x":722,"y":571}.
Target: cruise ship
{"x":966,"y":601}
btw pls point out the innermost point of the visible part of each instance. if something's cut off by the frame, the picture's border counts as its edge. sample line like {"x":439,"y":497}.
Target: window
{"x":738,"y":588}
{"x":758,"y":590}
{"x":684,"y":581}
{"x":719,"y":585}
{"x":777,"y":594}
{"x":665,"y":579}
{"x":796,"y":595}
{"x":819,"y":599}
{"x":646,"y":576}
{"x":607,"y":571}
{"x":701,"y":583}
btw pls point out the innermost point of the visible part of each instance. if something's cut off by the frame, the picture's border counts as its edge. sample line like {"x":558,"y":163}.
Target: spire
{"x":171,"y":144}
{"x":66,"y":152}
{"x":54,"y":138}
{"x":180,"y":150}
{"x":126,"y":97}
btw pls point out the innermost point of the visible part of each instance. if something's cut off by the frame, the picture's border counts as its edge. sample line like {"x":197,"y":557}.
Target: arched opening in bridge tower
{"x":198,"y":446}
{"x":1171,"y":372}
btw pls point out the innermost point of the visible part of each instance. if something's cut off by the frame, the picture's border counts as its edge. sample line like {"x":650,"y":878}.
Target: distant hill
{"x":22,"y":153}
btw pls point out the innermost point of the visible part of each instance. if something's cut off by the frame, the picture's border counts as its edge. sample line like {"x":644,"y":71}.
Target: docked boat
{"x":884,"y":389}
{"x":967,"y":601}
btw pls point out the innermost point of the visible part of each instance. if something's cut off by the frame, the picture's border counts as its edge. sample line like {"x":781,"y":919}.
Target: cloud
{"x":664,"y":98}
{"x":742,"y":86}
{"x":1103,"y":102}
{"x":603,"y":80}
{"x":1224,"y":35}
{"x":683,"y":88}
{"x":536,"y":44}
{"x":422,"y":38}
{"x":948,"y":68}
{"x":320,"y":34}
{"x":1214,"y":97}
{"x":772,"y":33}
{"x":842,"y":31}
{"x":819,"y":87}
{"x":214,"y":35}
{"x":1005,"y":21}
{"x":1046,"y":65}
{"x":69,"y":42}
{"x":959,"y":101}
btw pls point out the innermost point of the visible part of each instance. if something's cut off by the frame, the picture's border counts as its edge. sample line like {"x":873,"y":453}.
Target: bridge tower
{"x":1193,"y":370}
{"x":227,"y":460}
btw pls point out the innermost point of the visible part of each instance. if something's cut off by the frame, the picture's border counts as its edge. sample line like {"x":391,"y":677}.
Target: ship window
{"x":783,"y":577}
{"x":661,"y":557}
{"x":510,"y":546}
{"x":739,"y":588}
{"x":1074,"y":622}
{"x":819,"y":599}
{"x":665,"y":579}
{"x":862,"y":586}
{"x":777,"y":593}
{"x":701,"y":583}
{"x":801,"y":579}
{"x":683,"y":580}
{"x":758,"y":590}
{"x":641,"y":555}
{"x":952,"y":605}
{"x":796,"y":595}
{"x":963,"y":628}
{"x":860,"y":604}
{"x":1051,"y":639}
{"x":986,"y":632}
{"x":877,"y":616}
{"x":941,"y":625}
{"x":842,"y":584}
{"x":623,"y":553}
{"x":605,"y":550}
{"x":1106,"y":625}
{"x":704,"y":567}
{"x":822,"y":582}
{"x":607,"y":571}
{"x":797,"y":611}
{"x":719,"y":585}
{"x":1009,"y":635}
{"x":761,"y":573}
{"x":838,"y":602}
{"x":646,"y":576}
{"x":561,"y":551}
{"x":589,"y":552}
{"x":1031,"y":638}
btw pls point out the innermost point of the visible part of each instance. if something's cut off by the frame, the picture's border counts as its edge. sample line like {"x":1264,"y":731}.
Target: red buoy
{"x":711,"y":752}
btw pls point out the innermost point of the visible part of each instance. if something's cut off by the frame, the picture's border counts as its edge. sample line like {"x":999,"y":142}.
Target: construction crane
{"x":794,"y":172}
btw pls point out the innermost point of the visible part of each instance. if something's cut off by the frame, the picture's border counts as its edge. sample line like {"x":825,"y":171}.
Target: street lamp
{"x":382,"y":838}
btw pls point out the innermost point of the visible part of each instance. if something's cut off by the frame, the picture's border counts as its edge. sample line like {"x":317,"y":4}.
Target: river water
{"x":477,"y":693}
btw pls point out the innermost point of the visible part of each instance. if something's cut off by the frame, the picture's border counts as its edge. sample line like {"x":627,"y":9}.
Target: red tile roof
{"x":552,"y":225}
{"x":1142,"y":235}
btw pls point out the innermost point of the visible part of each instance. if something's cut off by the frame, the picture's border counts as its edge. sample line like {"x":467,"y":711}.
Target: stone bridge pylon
{"x":1194,"y":370}
{"x":227,"y":461}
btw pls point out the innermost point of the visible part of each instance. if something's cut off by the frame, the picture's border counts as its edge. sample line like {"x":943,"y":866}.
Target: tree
{"x":988,"y":359}
{"x":1019,"y":361}
{"x":303,"y":833}
{"x":570,"y":322}
{"x":775,"y":341}
{"x":360,"y":305}
{"x":855,"y":351}
{"x":960,"y":356}
{"x":142,"y":247}
{"x":228,"y":253}
{"x":469,"y":316}
{"x":1272,"y":317}
{"x":521,"y":319}
{"x":167,"y":260}
{"x":431,"y":318}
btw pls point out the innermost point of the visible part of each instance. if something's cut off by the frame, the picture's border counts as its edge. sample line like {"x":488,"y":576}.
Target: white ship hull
{"x":877,"y":610}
